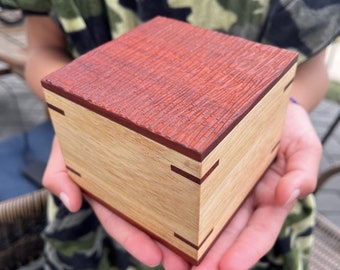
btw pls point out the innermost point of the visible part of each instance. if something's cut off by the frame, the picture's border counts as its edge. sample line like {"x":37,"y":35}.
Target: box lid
{"x":181,"y":85}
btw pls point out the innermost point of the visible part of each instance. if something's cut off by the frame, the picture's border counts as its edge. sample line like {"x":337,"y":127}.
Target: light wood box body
{"x":171,"y":126}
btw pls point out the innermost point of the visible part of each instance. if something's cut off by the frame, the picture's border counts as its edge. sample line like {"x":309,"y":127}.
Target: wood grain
{"x":134,"y":175}
{"x":129,"y":172}
{"x":183,"y":86}
{"x":171,"y":126}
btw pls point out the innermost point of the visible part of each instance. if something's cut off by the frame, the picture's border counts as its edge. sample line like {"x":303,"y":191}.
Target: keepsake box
{"x":171,"y":125}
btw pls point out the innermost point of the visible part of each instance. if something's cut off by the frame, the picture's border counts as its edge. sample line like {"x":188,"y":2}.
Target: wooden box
{"x":171,"y":126}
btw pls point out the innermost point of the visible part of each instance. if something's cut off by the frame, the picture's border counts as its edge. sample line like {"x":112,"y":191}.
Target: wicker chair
{"x":326,"y":250}
{"x":22,"y":220}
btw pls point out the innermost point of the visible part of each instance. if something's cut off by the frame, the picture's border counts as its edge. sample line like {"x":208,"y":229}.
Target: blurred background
{"x":25,"y":137}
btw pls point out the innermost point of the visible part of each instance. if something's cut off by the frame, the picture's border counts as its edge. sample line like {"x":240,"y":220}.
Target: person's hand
{"x":253,"y":230}
{"x":249,"y":235}
{"x":136,"y":242}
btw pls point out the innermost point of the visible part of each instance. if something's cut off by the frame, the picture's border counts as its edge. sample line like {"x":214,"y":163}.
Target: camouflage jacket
{"x":76,"y":240}
{"x":306,"y":26}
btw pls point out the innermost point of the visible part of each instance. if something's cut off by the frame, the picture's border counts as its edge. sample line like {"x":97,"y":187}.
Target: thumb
{"x":57,"y":181}
{"x":301,"y":176}
{"x":301,"y":151}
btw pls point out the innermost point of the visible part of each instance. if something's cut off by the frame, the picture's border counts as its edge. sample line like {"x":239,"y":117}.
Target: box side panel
{"x":130,"y":173}
{"x":184,"y":86}
{"x":243,"y":156}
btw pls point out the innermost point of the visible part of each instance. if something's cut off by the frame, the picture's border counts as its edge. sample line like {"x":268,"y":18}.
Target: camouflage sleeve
{"x":293,"y":246}
{"x":28,"y":6}
{"x":78,"y":241}
{"x":307,"y":26}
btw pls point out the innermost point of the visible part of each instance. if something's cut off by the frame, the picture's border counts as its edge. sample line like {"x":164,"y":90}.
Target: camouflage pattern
{"x":77,"y":240}
{"x":292,"y":249}
{"x":306,"y":26}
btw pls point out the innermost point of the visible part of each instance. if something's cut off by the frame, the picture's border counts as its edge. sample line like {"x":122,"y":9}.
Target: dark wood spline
{"x":197,"y":247}
{"x":55,"y":108}
{"x":192,"y":177}
{"x":287,"y":86}
{"x":73,"y":171}
{"x":275,"y":146}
